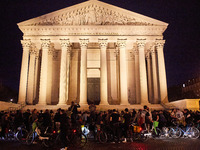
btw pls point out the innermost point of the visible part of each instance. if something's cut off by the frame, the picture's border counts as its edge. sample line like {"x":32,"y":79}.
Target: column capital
{"x":103,"y":43}
{"x":65,"y":43}
{"x":84,"y":42}
{"x":152,"y":49}
{"x":141,"y":43}
{"x":32,"y":52}
{"x":26,"y":43}
{"x":160,"y":43}
{"x":116,"y":52}
{"x":136,"y":51}
{"x":147,"y":55}
{"x":37,"y":54}
{"x":50,"y":51}
{"x":121,"y":43}
{"x":45,"y":43}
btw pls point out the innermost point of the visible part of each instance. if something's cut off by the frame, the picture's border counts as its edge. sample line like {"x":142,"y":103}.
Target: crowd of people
{"x":113,"y":118}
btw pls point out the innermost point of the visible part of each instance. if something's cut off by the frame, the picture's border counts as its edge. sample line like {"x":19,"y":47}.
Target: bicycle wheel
{"x":175,"y":132}
{"x":78,"y":140}
{"x":143,"y":138}
{"x":48,"y":143}
{"x":193,"y":133}
{"x":165,"y":132}
{"x":51,"y":137}
{"x":102,"y":137}
{"x":30,"y":138}
{"x":21,"y":136}
{"x":157,"y":133}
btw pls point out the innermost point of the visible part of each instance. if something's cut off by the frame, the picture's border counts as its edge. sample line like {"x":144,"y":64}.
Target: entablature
{"x":93,"y":30}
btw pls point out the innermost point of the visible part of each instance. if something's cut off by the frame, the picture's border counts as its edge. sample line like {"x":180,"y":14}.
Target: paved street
{"x":155,"y":144}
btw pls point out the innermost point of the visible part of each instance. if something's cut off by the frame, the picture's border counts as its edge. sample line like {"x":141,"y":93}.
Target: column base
{"x":125,"y":104}
{"x":41,"y":104}
{"x":61,"y":105}
{"x":83,"y":104}
{"x":104,"y":104}
{"x":147,"y":104}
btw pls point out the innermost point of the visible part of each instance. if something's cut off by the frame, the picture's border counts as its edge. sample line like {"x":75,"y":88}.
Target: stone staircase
{"x":19,"y":107}
{"x":7,"y":106}
{"x":167,"y":105}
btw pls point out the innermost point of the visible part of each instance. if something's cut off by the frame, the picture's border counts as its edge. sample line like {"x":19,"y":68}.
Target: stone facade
{"x":93,"y":52}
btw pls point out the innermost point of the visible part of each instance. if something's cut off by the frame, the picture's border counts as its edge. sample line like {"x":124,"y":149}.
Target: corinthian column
{"x":161,"y":71}
{"x":44,"y":69}
{"x":137,"y":77}
{"x":30,"y":90}
{"x":26,"y":44}
{"x":83,"y":75}
{"x":49,"y":76}
{"x":103,"y":83}
{"x":149,"y":75}
{"x":143,"y":72}
{"x":123,"y":72}
{"x":155,"y":76}
{"x":63,"y":94}
{"x":37,"y":76}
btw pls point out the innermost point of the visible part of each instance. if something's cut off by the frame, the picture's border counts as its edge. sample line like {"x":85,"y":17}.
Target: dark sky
{"x":182,"y":36}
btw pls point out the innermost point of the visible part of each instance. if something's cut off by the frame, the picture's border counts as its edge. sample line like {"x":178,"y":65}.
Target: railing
{"x":21,"y":106}
{"x":169,"y":106}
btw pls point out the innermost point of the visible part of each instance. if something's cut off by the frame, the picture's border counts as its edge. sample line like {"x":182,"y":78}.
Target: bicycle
{"x":21,"y":134}
{"x":36,"y":134}
{"x":101,"y":134}
{"x":190,"y":131}
{"x":73,"y":137}
{"x":136,"y":133}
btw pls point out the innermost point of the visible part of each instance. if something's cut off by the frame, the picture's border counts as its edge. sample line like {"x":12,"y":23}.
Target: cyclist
{"x":114,"y":120}
{"x":74,"y":110}
{"x":180,"y":116}
{"x":26,"y":116}
{"x":155,"y":120}
{"x":173,"y":116}
{"x":64,"y":127}
{"x":127,"y":121}
{"x":162,"y":120}
{"x":188,"y":117}
{"x":145,"y":116}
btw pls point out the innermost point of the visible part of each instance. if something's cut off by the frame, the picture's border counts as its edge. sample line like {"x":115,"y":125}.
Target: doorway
{"x":93,"y":90}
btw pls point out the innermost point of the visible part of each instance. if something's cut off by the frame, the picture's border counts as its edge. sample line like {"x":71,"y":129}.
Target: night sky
{"x":182,"y":36}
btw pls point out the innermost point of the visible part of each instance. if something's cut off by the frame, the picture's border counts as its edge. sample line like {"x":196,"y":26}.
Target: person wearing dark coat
{"x":26,"y":117}
{"x":64,"y":127}
{"x":74,"y":111}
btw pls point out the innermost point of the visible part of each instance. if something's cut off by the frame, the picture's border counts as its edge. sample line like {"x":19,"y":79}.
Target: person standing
{"x":74,"y":111}
{"x":92,"y":109}
{"x":145,"y":118}
{"x":180,"y":116}
{"x":26,"y":116}
{"x":127,"y":121}
{"x":64,"y":127}
{"x":114,"y":120}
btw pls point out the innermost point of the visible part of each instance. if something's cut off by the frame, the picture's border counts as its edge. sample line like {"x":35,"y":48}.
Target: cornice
{"x":92,"y":30}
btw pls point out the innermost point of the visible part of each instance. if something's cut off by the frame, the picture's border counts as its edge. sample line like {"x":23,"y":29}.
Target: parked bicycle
{"x":21,"y":134}
{"x":189,"y":131}
{"x":36,"y":135}
{"x":74,"y":137}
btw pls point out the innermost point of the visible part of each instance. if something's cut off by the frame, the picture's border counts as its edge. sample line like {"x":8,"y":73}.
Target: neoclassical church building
{"x":93,"y":52}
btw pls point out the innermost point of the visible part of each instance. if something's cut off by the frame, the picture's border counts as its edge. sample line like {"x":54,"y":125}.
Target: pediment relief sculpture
{"x":90,"y":15}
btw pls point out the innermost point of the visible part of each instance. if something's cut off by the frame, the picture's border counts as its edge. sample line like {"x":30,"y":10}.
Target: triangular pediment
{"x":92,"y":12}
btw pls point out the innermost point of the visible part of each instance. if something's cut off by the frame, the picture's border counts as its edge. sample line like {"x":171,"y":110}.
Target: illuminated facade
{"x":93,"y":52}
